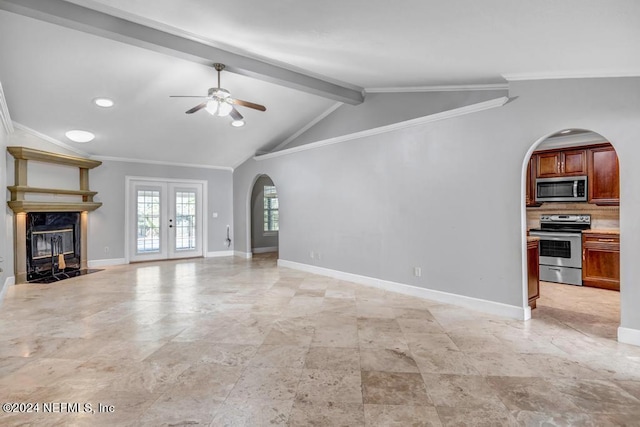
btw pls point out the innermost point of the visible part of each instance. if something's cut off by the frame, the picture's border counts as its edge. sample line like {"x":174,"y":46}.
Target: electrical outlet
{"x":417,"y":271}
{"x":312,"y":255}
{"x":318,"y":256}
{"x":106,"y":249}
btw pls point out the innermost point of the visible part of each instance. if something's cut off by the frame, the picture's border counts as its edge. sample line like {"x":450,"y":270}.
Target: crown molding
{"x":468,"y":109}
{"x":160,"y":162}
{"x":49,"y":139}
{"x":309,"y":125}
{"x":571,"y":141}
{"x":5,"y":118}
{"x":570,"y":75}
{"x":441,"y":88}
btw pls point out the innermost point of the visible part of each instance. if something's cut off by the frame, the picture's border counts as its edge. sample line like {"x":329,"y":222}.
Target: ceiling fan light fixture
{"x":224,"y":108}
{"x":237,"y":123}
{"x":212,"y":107}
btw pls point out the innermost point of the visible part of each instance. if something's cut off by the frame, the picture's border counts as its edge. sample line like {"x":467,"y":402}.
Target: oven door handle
{"x":554,"y":236}
{"x":575,"y":188}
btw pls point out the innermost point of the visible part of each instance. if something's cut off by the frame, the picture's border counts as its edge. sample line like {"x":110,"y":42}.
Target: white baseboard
{"x":477,"y":304}
{"x":105,"y":262}
{"x":9,"y":281}
{"x":217,"y":254}
{"x":265,"y":250}
{"x":629,"y":336}
{"x":246,"y":255}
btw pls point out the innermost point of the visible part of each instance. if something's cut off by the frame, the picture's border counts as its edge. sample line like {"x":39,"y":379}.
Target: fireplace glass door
{"x":166,"y":220}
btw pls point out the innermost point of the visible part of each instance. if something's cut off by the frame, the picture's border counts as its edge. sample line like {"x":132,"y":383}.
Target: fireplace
{"x":53,"y":245}
{"x":50,"y":233}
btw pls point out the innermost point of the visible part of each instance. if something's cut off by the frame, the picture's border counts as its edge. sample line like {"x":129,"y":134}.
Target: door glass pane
{"x":185,"y":220}
{"x":148,"y":221}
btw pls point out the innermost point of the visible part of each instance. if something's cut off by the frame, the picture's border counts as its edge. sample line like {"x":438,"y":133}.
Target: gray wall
{"x":106,"y":224}
{"x":448,"y":196}
{"x":258,"y":238}
{"x":380,"y":109}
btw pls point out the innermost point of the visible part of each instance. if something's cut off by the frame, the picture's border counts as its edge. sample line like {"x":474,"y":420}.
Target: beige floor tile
{"x":463,"y":417}
{"x":444,"y":362}
{"x":394,"y":388}
{"x":400,"y":416}
{"x":317,"y":385}
{"x":267,"y":383}
{"x":387,"y":360}
{"x":336,"y":414}
{"x":253,"y":413}
{"x":531,"y":394}
{"x":462,"y":391}
{"x":283,"y":356}
{"x":333,"y":358}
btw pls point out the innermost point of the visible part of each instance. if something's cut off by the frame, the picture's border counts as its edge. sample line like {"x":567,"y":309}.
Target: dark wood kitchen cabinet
{"x":533,"y":271}
{"x":601,"y":260}
{"x":561,"y":163}
{"x":531,"y":183}
{"x":604,"y":179}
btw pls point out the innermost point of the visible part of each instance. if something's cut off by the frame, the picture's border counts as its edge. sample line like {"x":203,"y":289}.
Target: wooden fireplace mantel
{"x":18,"y":204}
{"x":21,"y":207}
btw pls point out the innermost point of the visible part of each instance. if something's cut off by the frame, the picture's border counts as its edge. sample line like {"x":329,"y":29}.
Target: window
{"x":270,"y":208}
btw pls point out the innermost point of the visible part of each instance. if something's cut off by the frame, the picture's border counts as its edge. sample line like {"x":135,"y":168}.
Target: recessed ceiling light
{"x":237,"y":123}
{"x":566,"y":131}
{"x":80,"y":135}
{"x":103,"y":102}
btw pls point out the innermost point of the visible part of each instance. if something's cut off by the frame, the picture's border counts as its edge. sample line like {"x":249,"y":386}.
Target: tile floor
{"x":231,"y":342}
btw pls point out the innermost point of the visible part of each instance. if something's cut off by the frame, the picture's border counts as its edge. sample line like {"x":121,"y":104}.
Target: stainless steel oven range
{"x":561,"y":247}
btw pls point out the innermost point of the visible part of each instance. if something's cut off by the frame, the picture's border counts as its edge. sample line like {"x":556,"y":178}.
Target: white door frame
{"x":127,"y":207}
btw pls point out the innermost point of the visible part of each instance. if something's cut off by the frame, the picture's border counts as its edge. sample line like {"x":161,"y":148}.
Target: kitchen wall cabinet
{"x":604,"y":180}
{"x":533,"y":271}
{"x":601,"y":260}
{"x":531,"y":183}
{"x":561,"y":163}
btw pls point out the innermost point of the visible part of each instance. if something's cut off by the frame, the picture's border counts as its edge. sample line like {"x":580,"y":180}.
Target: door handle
{"x":584,"y":254}
{"x":555,"y":268}
{"x":606,"y":240}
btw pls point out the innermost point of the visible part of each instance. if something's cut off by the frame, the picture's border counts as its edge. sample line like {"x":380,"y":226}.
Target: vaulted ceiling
{"x":52,"y":69}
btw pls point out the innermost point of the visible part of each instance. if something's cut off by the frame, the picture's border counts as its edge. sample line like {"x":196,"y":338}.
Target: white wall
{"x":448,"y":196}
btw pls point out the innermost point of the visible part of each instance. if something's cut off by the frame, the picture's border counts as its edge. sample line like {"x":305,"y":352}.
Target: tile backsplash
{"x":602,"y":217}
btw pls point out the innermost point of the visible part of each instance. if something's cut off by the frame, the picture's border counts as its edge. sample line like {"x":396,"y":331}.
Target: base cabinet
{"x":533,"y":271}
{"x":601,"y":260}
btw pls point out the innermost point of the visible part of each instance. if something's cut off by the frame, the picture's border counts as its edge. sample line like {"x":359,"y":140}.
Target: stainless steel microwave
{"x":562,"y":189}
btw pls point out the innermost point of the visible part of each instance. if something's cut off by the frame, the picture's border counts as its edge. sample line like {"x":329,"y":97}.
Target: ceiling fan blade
{"x":247,"y":104}
{"x":196,"y":108}
{"x":235,"y":114}
{"x":187,"y":96}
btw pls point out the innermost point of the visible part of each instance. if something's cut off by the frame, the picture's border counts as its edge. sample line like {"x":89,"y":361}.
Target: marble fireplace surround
{"x":21,"y":206}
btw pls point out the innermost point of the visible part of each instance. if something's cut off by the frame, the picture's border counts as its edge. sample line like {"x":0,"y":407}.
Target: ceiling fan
{"x":220,"y":103}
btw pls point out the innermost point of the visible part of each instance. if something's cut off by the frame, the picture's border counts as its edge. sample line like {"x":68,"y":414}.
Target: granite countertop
{"x":603,"y":230}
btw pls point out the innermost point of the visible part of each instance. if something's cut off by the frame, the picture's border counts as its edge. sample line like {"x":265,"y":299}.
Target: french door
{"x":165,"y":220}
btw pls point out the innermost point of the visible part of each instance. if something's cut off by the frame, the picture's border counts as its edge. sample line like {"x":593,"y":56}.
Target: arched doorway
{"x":265,"y":216}
{"x":571,"y":204}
